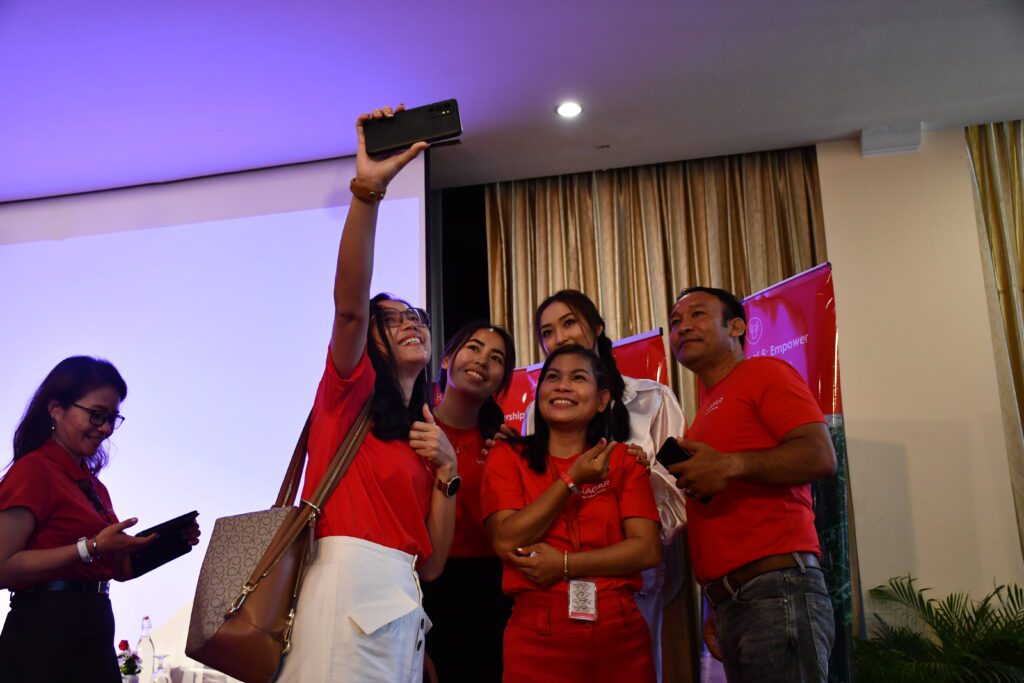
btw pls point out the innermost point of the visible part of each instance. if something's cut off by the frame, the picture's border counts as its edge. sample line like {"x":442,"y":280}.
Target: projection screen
{"x":213,"y":299}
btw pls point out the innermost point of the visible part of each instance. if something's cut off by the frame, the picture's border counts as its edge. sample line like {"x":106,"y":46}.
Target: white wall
{"x":927,"y":451}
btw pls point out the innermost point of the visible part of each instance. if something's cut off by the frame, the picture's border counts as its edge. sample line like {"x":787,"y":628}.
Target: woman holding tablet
{"x":60,"y":541}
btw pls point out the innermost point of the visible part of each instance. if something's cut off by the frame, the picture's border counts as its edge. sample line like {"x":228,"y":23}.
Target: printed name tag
{"x":583,"y":600}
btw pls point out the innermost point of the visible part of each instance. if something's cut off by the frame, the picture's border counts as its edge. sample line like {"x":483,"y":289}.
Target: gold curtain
{"x":631,"y":239}
{"x":997,"y":158}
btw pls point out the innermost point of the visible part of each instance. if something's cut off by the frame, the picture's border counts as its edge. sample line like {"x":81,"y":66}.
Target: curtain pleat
{"x":997,"y":159}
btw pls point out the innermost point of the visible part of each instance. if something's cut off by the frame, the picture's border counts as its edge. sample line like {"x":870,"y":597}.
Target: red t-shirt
{"x":751,"y":409}
{"x":384,"y":496}
{"x":49,"y":483}
{"x":471,"y":539}
{"x":589,"y":521}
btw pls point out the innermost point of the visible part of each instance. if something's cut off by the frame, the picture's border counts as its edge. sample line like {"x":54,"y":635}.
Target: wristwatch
{"x":450,"y":487}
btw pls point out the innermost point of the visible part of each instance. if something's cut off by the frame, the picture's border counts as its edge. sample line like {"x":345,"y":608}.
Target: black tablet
{"x":170,"y":544}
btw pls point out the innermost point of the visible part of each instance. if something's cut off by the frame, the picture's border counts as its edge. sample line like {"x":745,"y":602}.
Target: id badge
{"x":583,"y":600}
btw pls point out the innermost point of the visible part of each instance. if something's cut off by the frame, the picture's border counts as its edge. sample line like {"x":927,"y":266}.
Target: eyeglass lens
{"x":98,"y":418}
{"x":394,"y":318}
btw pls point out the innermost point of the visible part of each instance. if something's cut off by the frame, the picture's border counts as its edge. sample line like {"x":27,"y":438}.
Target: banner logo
{"x":755,"y":328}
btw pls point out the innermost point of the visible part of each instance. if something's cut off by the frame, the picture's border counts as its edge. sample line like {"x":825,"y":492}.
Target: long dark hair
{"x":70,"y":380}
{"x":392,"y":415}
{"x":491,"y":416}
{"x":535,"y":446}
{"x":580,"y":304}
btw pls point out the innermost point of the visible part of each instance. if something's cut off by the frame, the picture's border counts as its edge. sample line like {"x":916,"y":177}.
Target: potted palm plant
{"x":953,"y":639}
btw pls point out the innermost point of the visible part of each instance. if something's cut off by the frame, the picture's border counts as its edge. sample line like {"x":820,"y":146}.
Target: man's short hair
{"x":731,"y":306}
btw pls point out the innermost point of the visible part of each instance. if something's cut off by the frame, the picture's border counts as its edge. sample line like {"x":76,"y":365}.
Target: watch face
{"x":453,"y":486}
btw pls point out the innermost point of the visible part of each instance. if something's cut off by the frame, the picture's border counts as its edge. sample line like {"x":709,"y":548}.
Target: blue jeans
{"x":778,"y":627}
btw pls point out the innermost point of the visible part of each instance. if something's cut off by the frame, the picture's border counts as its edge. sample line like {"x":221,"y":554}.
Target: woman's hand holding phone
{"x":376,"y":173}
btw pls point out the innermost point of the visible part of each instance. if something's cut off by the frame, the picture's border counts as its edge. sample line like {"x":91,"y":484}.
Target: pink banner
{"x":795,"y":321}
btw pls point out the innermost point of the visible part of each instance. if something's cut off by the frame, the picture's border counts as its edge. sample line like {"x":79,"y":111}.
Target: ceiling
{"x":104,"y":94}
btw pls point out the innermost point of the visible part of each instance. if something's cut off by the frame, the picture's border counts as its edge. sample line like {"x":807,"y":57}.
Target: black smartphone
{"x":431,"y":123}
{"x":672,"y":453}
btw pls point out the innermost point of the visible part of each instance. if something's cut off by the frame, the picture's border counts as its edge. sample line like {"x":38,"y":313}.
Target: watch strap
{"x":364,"y":191}
{"x":445,"y":487}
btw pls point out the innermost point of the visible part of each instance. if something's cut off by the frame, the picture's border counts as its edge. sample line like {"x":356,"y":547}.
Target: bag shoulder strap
{"x":310,"y":509}
{"x":286,"y":496}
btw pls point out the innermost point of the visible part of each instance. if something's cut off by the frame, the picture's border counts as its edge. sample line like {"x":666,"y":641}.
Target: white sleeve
{"x":526,"y":428}
{"x":668,"y":421}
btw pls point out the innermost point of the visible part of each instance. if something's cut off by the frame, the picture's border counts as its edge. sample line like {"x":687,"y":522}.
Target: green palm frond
{"x":954,"y":639}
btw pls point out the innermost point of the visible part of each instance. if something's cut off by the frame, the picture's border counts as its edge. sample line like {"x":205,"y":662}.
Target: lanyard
{"x":570,"y":512}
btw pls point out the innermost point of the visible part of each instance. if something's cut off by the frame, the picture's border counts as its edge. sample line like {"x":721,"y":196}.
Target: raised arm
{"x":355,"y":253}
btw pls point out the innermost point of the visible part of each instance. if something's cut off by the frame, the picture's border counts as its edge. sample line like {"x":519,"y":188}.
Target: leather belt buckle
{"x":724,"y":587}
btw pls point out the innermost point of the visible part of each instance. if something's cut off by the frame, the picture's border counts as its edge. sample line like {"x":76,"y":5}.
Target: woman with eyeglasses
{"x":573,"y":518}
{"x":642,"y":412}
{"x":390,"y":520}
{"x":465,"y":603}
{"x":60,"y":541}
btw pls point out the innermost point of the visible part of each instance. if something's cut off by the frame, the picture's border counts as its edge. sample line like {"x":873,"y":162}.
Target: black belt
{"x":726,"y":586}
{"x":70,"y":586}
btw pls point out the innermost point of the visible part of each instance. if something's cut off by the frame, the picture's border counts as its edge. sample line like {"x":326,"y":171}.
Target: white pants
{"x":360,"y":617}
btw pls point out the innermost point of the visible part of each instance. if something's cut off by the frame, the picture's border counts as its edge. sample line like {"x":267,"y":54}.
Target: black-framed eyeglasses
{"x":98,"y":418}
{"x":394,"y":318}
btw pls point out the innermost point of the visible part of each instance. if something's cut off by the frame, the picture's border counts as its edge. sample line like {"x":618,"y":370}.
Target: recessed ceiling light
{"x":569,"y":109}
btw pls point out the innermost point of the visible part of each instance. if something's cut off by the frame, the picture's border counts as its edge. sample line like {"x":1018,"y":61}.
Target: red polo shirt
{"x":384,"y":496}
{"x":751,"y":409}
{"x":471,"y":539}
{"x":589,"y":521}
{"x":48,"y":482}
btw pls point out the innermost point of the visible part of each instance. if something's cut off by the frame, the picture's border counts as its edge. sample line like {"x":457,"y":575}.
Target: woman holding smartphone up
{"x":643,"y":412}
{"x":465,"y":603}
{"x":573,"y":518}
{"x":390,"y":519}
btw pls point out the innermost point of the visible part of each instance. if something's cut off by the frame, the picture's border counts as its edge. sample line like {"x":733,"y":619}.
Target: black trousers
{"x":469,"y":613}
{"x":58,"y":636}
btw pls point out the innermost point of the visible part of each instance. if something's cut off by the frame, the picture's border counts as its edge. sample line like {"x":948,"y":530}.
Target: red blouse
{"x":384,"y":496}
{"x":589,"y":521}
{"x":50,"y":483}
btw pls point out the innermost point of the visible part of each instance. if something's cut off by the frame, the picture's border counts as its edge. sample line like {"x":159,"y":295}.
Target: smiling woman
{"x":60,"y":541}
{"x":465,"y":603}
{"x":574,"y":520}
{"x":391,"y":516}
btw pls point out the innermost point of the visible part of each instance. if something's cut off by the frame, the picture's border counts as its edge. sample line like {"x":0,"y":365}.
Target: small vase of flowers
{"x":130,"y":663}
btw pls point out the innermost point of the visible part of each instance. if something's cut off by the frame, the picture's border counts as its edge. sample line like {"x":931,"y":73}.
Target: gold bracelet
{"x":565,"y":565}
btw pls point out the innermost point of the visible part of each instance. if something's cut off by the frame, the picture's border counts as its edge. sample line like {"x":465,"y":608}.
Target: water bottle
{"x":146,"y":651}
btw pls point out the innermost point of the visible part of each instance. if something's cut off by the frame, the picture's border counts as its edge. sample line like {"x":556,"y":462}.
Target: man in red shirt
{"x":759,"y":439}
